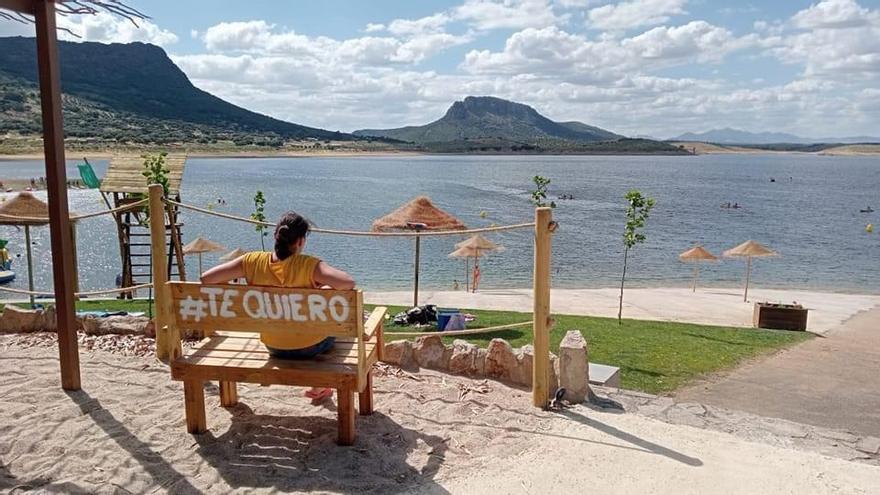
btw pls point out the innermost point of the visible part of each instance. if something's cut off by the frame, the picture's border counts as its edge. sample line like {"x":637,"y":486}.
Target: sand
{"x":706,"y":306}
{"x":431,"y":433}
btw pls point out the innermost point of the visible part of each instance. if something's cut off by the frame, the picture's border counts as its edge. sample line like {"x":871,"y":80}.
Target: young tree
{"x":539,"y":195}
{"x":637,"y":210}
{"x":259,"y":216}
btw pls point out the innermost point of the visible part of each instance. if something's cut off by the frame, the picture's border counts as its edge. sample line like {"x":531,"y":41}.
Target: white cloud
{"x":430,"y":24}
{"x":833,"y":14}
{"x":507,"y":14}
{"x":634,"y":13}
{"x":107,"y":28}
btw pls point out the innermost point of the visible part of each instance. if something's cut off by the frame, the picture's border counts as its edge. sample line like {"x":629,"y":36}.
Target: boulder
{"x":428,"y":351}
{"x":399,"y":352}
{"x":573,"y":367}
{"x":122,"y":325}
{"x":18,"y":320}
{"x":554,"y":372}
{"x":463,"y":356}
{"x":479,"y":368}
{"x":525,"y":358}
{"x":500,"y":360}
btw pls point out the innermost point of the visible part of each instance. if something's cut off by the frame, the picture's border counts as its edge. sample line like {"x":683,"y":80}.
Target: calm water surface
{"x":810,"y":215}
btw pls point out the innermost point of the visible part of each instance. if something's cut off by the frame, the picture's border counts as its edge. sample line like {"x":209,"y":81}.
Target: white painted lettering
{"x":296,"y":301}
{"x":317,"y":307}
{"x":212,"y":293}
{"x":274,"y":312}
{"x":226,"y":305}
{"x":260,"y":310}
{"x":339,"y":308}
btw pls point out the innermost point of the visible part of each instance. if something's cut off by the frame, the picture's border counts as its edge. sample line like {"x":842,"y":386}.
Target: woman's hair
{"x":291,"y":228}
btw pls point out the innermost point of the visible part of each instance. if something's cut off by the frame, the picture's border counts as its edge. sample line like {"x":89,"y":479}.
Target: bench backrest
{"x":245,"y":308}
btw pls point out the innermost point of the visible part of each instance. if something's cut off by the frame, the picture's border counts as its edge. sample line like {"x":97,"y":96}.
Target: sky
{"x":637,"y":67}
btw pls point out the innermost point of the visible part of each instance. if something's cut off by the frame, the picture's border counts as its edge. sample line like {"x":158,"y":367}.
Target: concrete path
{"x":832,"y":381}
{"x":709,"y":306}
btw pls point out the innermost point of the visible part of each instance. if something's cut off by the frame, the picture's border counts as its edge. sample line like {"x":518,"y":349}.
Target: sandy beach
{"x":707,"y":306}
{"x":431,"y":433}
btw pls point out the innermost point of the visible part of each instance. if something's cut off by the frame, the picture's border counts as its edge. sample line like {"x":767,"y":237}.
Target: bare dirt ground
{"x":832,"y":381}
{"x":431,"y":433}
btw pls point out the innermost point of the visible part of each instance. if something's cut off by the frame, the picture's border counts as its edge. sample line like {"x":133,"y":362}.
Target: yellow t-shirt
{"x":295,"y":272}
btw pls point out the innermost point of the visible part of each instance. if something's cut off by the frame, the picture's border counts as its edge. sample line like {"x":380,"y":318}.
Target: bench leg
{"x":228,"y":394}
{"x":345,"y":413}
{"x":194,"y":401}
{"x":365,"y":398}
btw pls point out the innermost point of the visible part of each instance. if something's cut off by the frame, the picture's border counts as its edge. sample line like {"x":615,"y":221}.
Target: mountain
{"x":735,"y":136}
{"x":490,"y":118}
{"x":130,"y":93}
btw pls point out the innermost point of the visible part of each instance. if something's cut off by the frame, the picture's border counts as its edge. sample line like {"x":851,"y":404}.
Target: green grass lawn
{"x":654,"y":356}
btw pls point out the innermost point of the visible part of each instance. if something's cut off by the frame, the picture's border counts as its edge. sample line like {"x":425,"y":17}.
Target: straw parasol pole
{"x":418,"y":215}
{"x":695,"y":255}
{"x":26,"y":210}
{"x":200,"y":245}
{"x":749,"y":249}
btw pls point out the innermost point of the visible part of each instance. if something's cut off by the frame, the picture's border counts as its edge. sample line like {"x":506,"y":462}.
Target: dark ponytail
{"x":291,"y":228}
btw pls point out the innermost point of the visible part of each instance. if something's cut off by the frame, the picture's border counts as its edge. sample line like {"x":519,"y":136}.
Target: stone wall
{"x":18,"y":320}
{"x":499,"y":360}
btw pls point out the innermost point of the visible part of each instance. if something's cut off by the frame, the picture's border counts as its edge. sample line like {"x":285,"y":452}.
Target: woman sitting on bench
{"x":286,"y":267}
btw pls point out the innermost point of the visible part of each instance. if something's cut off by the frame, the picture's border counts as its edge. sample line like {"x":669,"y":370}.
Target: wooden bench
{"x":232,"y":317}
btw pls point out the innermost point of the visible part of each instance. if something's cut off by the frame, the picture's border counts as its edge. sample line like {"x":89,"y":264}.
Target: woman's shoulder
{"x":256,"y":257}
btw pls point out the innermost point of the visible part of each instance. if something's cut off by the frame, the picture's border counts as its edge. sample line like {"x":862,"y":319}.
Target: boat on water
{"x":867,"y":210}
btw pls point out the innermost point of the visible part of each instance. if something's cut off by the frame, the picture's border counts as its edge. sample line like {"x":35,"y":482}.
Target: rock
{"x":150,"y":329}
{"x":869,"y":445}
{"x":463,"y":356}
{"x":18,"y":320}
{"x":525,"y":358}
{"x":447,"y":356}
{"x":122,"y":325}
{"x":573,"y":368}
{"x":428,"y":351}
{"x":554,"y":372}
{"x":87,"y":324}
{"x":479,"y":368}
{"x":500,"y":359}
{"x":399,"y":352}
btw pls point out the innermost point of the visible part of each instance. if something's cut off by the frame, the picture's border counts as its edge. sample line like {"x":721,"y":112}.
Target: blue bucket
{"x":443,"y":315}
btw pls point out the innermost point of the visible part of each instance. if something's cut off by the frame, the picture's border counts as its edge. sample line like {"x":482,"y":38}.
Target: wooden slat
{"x":343,"y":356}
{"x":373,"y":322}
{"x":22,"y":6}
{"x":257,"y":347}
{"x":124,"y":174}
{"x":183,"y":293}
{"x":311,"y":375}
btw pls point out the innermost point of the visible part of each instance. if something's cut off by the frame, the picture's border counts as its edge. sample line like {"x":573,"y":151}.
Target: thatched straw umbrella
{"x":27,"y":211}
{"x":199,"y":246}
{"x":418,"y":215}
{"x":695,"y":255}
{"x":231,"y":255}
{"x":474,"y":247}
{"x":749,"y":249}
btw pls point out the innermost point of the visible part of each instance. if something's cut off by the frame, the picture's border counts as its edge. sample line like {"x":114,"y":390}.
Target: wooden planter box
{"x":780,"y":316}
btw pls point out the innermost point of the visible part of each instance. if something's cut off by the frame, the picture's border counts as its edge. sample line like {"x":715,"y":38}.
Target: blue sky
{"x":638,"y":67}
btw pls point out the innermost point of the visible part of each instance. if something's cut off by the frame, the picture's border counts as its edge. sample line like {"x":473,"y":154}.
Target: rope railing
{"x":356,"y":232}
{"x":84,"y":216}
{"x":78,"y":294}
{"x":453,"y":333}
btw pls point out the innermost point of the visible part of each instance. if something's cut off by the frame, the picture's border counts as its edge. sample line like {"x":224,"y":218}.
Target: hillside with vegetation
{"x":131,"y":93}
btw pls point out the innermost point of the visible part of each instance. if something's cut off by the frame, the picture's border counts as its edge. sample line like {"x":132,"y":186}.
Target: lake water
{"x":810,"y":215}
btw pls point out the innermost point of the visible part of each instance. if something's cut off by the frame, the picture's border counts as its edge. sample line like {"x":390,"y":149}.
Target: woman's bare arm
{"x":221,"y":274}
{"x":332,"y":277}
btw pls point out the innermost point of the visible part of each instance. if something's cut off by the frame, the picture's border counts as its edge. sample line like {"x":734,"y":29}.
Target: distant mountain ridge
{"x":490,"y":118}
{"x":736,"y":136}
{"x":130,"y":92}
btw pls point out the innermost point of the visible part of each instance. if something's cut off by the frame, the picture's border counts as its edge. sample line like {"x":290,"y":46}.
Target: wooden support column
{"x":541,"y":367}
{"x":167,"y":334}
{"x":56,"y":183}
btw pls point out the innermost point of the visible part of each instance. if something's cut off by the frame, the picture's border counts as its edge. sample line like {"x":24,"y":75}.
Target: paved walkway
{"x":831,"y":381}
{"x":708,"y":306}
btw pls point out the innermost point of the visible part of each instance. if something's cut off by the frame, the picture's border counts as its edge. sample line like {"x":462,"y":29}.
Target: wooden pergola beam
{"x":20,"y":6}
{"x":63,"y":272}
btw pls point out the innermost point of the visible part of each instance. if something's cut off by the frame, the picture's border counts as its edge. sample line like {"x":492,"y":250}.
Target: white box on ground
{"x":604,"y":375}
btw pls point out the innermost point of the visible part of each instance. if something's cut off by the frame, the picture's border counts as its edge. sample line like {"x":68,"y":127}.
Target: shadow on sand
{"x":299,"y":453}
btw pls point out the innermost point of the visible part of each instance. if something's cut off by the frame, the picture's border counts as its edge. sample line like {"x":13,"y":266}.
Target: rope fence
{"x":78,"y":294}
{"x":452,"y":333}
{"x":356,"y":232}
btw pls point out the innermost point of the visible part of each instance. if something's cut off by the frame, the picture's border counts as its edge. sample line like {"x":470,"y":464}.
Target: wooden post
{"x":74,"y":258}
{"x":56,"y":185}
{"x":541,"y":368}
{"x":30,"y":262}
{"x":416,"y":282}
{"x":696,"y":275}
{"x":167,"y":335}
{"x":748,"y":277}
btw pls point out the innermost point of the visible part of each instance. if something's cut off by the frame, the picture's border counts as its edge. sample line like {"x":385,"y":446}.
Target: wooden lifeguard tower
{"x":124,"y":184}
